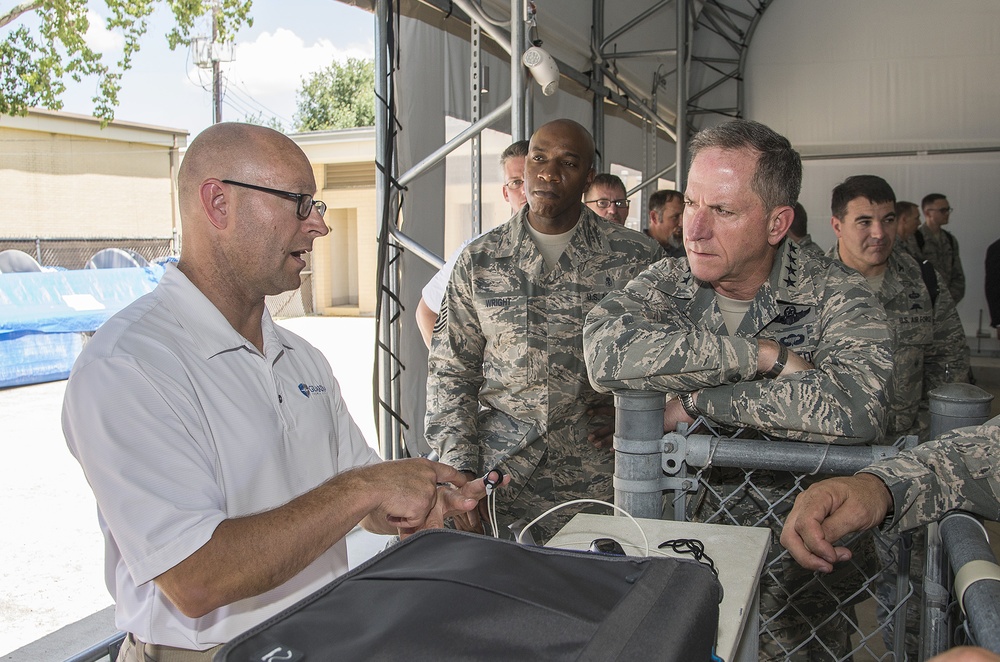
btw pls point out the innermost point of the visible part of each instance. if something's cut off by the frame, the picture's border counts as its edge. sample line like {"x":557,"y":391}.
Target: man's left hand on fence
{"x":829,"y":510}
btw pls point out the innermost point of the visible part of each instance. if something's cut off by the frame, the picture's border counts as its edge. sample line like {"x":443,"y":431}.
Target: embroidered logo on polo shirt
{"x":306,"y":389}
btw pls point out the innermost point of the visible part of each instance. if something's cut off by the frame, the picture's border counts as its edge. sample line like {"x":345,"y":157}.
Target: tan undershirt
{"x":875,"y":282}
{"x":733,"y":311}
{"x":551,"y":246}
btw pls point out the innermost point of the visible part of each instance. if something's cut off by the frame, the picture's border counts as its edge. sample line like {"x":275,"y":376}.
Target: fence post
{"x":951,"y":406}
{"x":637,"y":442}
{"x":957,"y":406}
{"x":977,"y":576}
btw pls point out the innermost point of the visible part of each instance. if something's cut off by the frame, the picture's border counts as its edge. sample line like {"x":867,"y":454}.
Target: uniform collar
{"x":207,"y":327}
{"x":588,"y":241}
{"x":892,"y":281}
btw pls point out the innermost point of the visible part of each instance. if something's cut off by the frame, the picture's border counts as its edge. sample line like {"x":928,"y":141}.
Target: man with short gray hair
{"x":750,"y":332}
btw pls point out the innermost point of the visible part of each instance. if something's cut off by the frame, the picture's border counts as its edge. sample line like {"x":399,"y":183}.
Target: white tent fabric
{"x":893,"y":76}
{"x":858,"y":87}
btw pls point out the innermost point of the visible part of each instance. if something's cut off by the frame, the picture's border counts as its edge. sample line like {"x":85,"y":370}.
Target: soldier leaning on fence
{"x":751,"y":332}
{"x":930,"y":348}
{"x":507,"y":383}
{"x":958,"y":471}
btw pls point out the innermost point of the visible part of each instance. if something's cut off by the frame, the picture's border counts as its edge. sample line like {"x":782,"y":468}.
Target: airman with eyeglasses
{"x":938,"y":246}
{"x":606,"y":196}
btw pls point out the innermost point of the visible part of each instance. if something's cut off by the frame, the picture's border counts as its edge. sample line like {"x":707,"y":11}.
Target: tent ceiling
{"x":634,"y":48}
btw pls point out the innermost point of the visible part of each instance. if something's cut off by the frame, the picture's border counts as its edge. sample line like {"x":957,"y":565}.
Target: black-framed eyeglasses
{"x":304,"y":203}
{"x":604,"y":203}
{"x":514,"y":184}
{"x":943,"y":210}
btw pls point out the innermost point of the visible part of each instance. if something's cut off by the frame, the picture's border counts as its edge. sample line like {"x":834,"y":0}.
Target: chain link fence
{"x":962,"y":600}
{"x":74,"y":253}
{"x":743,"y":478}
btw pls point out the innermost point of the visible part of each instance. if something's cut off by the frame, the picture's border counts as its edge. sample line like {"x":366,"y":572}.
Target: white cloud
{"x":275,"y":63}
{"x":99,"y":38}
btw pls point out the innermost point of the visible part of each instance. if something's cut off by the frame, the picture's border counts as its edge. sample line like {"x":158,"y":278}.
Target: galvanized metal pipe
{"x":956,"y":406}
{"x":637,"y":443}
{"x":969,"y":551}
{"x":797,"y":457}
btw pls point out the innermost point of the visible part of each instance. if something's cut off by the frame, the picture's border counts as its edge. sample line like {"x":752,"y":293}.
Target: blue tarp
{"x":43,"y":314}
{"x":70,"y":301}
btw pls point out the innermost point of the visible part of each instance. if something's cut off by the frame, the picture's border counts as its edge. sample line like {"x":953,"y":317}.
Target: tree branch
{"x":17,"y":10}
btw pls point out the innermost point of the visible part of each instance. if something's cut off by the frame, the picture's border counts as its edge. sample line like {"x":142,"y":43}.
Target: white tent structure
{"x":897,"y":88}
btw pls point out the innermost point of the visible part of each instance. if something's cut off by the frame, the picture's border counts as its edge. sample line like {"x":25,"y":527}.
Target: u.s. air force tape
{"x":972,"y":572}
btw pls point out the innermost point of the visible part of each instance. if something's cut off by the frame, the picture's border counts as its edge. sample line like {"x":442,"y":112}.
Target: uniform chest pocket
{"x":795,"y":328}
{"x":503,"y":317}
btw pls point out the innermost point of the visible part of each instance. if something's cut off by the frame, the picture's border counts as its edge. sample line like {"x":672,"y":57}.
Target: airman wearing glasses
{"x":606,"y":197}
{"x":938,"y":246}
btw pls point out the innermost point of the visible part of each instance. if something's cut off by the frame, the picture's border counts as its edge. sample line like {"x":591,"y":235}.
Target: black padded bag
{"x":449,"y":595}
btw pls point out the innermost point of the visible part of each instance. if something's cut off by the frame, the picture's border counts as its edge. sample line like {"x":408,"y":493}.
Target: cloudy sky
{"x":289,"y":40}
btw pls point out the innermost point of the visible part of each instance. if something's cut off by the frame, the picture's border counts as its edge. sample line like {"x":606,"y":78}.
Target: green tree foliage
{"x":33,"y":67}
{"x":342,"y":96}
{"x":259,"y":119}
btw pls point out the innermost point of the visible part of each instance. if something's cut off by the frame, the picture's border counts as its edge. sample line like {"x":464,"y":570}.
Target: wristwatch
{"x":687,"y":402}
{"x":779,"y":363}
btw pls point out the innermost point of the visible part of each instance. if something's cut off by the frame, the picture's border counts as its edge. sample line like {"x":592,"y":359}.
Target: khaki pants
{"x":133,"y":650}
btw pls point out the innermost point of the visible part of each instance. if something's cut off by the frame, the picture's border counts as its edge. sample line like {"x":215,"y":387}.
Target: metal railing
{"x":744,"y":478}
{"x":106,"y":649}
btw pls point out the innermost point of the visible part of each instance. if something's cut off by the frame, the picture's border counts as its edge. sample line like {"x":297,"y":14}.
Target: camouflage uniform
{"x":910,"y":247}
{"x":942,"y":252}
{"x":959,"y":470}
{"x":507,"y":383}
{"x":665,"y":332}
{"x":930,"y":341}
{"x":930,"y":351}
{"x":809,"y":246}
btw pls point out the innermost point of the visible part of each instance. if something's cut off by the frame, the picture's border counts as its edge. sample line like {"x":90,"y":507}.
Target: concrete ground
{"x":53,"y":602}
{"x":51,"y":550}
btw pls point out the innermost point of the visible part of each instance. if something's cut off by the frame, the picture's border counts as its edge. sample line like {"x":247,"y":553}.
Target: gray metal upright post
{"x":956,"y":406}
{"x":952,"y":406}
{"x":977,"y":576}
{"x":638,"y":450}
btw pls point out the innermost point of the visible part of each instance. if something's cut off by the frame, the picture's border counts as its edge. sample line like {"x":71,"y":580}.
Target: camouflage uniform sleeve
{"x":958,"y":471}
{"x":455,"y":374}
{"x":843,"y":399}
{"x":639,"y":339}
{"x":947,"y":359}
{"x":956,"y":284}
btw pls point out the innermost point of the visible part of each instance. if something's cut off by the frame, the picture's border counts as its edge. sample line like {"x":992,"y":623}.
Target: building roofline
{"x":87,"y":126}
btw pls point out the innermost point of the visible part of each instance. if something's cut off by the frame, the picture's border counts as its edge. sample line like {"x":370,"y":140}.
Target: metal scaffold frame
{"x":705,"y":87}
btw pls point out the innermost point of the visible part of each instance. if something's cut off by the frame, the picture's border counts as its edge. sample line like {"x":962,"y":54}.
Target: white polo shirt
{"x":435,"y":289}
{"x":180,"y":423}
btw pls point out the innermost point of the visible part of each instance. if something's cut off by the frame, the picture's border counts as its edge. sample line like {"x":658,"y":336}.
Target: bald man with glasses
{"x":226,"y":467}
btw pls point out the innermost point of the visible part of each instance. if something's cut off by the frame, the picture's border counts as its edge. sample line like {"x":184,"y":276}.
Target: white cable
{"x":560,"y":506}
{"x":491,"y":509}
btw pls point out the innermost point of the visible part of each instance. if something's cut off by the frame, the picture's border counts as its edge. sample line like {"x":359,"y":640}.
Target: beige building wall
{"x":62,"y":175}
{"x":344,"y":262}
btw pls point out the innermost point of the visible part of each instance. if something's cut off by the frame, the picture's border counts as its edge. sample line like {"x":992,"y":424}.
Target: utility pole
{"x":209,"y":54}
{"x":216,"y":74}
